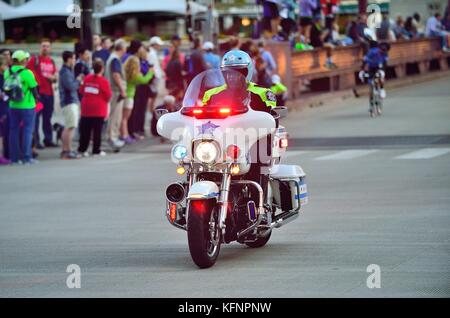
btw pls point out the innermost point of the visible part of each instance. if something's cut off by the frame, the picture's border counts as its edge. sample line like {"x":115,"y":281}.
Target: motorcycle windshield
{"x":216,"y":92}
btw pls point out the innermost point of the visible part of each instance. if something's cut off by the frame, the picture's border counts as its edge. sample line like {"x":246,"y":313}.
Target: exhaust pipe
{"x":175,"y":193}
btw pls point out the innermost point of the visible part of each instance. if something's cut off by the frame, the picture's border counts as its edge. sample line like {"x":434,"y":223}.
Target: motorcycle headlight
{"x":179,"y":152}
{"x":206,"y":152}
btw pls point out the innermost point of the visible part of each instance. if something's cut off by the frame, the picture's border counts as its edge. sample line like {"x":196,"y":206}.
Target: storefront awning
{"x":177,"y":7}
{"x":39,"y":8}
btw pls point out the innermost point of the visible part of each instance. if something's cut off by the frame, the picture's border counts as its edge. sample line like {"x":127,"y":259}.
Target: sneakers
{"x":31,"y":162}
{"x":4,"y":161}
{"x":85,"y":154}
{"x":116,"y":144}
{"x":129,"y":140}
{"x":383,"y":93}
{"x":100,"y":154}
{"x":70,"y":155}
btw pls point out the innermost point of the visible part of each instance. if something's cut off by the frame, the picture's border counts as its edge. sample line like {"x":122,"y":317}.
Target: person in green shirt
{"x":279,"y":89}
{"x":22,"y":109}
{"x":134,"y":77}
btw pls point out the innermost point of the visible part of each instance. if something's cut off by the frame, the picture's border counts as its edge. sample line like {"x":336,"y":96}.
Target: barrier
{"x":297,"y":67}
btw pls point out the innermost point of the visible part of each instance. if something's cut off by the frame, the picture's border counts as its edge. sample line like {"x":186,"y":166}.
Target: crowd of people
{"x":104,"y":94}
{"x":310,"y":24}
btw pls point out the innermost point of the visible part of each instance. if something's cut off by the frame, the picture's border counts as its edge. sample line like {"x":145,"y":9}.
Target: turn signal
{"x":233,"y":152}
{"x":181,"y":170}
{"x":284,"y":143}
{"x":235,"y":170}
{"x":172,"y":212}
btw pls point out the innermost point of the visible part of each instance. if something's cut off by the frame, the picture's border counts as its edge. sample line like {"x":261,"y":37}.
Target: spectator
{"x":175,"y":46}
{"x":153,"y":59}
{"x":104,"y":51}
{"x":288,"y":16}
{"x":96,"y":93}
{"x":83,"y":64}
{"x":330,"y":9}
{"x":446,"y":22}
{"x":410,"y":29}
{"x":169,"y":105}
{"x":434,"y":29}
{"x":271,"y":65}
{"x":174,"y":76}
{"x":134,"y":77}
{"x":22,"y":108}
{"x":263,"y":78}
{"x":307,"y":8}
{"x":271,"y":15}
{"x":418,"y":25}
{"x":70,"y":103}
{"x":212,"y":60}
{"x":195,"y":63}
{"x":279,"y":90}
{"x":3,"y":115}
{"x":142,"y":93}
{"x":7,"y":54}
{"x":384,"y":31}
{"x":45,"y":72}
{"x":318,"y":38}
{"x":115,"y":75}
{"x":96,"y":42}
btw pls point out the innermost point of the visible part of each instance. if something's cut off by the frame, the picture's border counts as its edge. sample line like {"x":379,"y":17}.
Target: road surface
{"x":379,"y":194}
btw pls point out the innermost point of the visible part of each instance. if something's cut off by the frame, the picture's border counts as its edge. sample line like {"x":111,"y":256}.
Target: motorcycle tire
{"x":201,"y":246}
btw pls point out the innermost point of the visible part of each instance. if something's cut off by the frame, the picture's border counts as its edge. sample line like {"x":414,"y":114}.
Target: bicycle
{"x":375,"y":99}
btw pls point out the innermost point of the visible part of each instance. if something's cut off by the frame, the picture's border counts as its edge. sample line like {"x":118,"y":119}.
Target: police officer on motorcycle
{"x":262,"y":99}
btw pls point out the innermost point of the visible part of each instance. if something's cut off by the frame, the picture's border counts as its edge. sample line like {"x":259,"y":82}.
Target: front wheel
{"x":204,"y":234}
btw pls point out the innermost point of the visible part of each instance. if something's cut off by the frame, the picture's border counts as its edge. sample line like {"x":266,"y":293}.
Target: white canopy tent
{"x":4,"y":10}
{"x":40,"y":8}
{"x":177,"y":7}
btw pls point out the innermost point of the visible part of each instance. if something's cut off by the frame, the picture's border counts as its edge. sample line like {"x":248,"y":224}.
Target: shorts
{"x":272,"y":10}
{"x":305,"y":21}
{"x":71,"y":114}
{"x":129,"y":103}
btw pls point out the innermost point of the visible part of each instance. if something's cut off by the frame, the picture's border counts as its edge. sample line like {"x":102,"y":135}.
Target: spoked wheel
{"x":204,"y":235}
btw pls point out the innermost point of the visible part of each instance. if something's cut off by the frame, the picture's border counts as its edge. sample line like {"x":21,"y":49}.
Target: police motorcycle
{"x":233,"y":187}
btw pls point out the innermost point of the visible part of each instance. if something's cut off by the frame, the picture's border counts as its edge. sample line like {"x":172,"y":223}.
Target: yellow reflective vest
{"x":266,"y":95}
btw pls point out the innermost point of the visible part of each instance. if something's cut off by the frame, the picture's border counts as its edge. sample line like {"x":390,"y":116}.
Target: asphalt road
{"x":382,"y":199}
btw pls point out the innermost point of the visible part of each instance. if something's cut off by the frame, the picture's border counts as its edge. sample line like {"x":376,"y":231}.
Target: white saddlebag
{"x":289,"y":188}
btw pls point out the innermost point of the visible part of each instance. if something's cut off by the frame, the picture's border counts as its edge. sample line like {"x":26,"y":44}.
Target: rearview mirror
{"x":281,"y":111}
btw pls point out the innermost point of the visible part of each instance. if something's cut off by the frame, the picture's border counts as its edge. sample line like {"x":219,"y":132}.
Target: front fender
{"x":203,"y":190}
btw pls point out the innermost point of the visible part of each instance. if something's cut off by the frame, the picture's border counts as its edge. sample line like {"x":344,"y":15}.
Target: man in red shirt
{"x":45,"y":71}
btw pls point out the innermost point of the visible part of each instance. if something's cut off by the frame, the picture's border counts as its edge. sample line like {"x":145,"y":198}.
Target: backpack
{"x":13,"y":86}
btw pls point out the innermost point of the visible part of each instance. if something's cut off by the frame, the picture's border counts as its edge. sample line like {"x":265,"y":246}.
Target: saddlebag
{"x":289,"y":187}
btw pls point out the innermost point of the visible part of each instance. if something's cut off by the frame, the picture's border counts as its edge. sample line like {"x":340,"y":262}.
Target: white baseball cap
{"x":156,"y":40}
{"x":208,"y":46}
{"x":276,"y":79}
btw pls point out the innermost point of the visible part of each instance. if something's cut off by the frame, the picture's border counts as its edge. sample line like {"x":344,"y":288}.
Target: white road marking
{"x":347,"y":155}
{"x":427,"y":153}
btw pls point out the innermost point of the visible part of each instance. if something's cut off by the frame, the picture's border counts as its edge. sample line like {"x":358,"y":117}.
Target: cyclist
{"x":374,"y":62}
